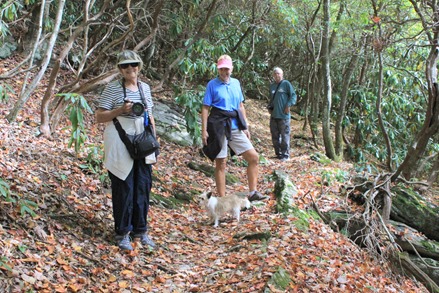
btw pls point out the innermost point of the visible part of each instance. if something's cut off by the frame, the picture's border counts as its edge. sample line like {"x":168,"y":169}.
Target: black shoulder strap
{"x":120,"y":130}
{"x":277,"y":87}
{"x":139,"y":86}
{"x":124,"y":89}
{"x":272,"y":97}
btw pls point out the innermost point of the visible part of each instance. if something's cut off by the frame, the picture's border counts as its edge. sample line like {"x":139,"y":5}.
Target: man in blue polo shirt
{"x":224,"y":124}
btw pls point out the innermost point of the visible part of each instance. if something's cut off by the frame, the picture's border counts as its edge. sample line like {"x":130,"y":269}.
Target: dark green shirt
{"x":285,"y":96}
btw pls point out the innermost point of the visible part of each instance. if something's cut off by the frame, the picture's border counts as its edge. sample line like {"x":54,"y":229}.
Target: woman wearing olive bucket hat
{"x":131,"y":180}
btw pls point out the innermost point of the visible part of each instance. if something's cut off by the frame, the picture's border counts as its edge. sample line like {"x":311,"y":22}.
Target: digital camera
{"x":137,"y":108}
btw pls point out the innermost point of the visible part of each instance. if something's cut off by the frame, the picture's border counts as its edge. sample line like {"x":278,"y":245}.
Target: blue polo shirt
{"x":225,"y":96}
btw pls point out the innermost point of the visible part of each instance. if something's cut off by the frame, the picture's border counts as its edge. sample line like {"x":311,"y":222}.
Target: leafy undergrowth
{"x":67,"y":246}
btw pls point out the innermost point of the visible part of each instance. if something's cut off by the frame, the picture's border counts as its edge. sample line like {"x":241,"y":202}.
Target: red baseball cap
{"x":224,"y":63}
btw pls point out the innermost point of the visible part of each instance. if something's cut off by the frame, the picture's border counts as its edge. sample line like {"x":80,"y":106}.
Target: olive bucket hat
{"x":129,"y":56}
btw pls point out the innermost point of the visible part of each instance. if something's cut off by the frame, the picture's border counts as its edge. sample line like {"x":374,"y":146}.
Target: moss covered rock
{"x":284,"y":190}
{"x":410,"y":208}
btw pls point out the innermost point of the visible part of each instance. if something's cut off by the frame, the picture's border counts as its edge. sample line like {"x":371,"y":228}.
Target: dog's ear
{"x":209,"y":194}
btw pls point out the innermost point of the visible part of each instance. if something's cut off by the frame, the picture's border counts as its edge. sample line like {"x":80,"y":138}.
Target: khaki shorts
{"x":239,"y":143}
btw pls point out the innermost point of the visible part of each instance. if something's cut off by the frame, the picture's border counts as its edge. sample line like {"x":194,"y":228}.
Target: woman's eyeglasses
{"x":125,"y":66}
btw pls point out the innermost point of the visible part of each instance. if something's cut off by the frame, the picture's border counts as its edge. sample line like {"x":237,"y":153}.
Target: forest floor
{"x":68,"y":245}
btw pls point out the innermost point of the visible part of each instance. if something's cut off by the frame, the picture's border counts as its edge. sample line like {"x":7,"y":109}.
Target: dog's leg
{"x":216,"y":221}
{"x":237,"y":213}
{"x":211,"y":219}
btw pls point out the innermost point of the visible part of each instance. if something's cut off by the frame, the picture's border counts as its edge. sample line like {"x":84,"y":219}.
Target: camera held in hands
{"x":137,"y":108}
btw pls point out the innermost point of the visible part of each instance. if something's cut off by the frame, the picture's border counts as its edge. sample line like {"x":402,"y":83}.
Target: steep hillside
{"x":67,"y":246}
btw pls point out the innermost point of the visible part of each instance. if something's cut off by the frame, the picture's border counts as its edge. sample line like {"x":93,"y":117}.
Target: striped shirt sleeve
{"x":112,"y":96}
{"x":148,"y":97}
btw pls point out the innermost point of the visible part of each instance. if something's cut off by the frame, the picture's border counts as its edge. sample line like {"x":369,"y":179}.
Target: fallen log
{"x":413,"y":242}
{"x":410,"y":268}
{"x":412,"y":209}
{"x":422,"y":250}
{"x":210,"y":171}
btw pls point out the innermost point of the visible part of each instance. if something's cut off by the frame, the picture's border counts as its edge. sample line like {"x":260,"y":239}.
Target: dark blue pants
{"x":280,"y":137}
{"x":130,"y":199}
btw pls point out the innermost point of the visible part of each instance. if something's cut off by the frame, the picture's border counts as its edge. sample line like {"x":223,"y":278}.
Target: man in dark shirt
{"x":282,"y":97}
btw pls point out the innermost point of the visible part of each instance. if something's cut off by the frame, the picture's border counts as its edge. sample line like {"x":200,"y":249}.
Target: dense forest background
{"x":366,"y":78}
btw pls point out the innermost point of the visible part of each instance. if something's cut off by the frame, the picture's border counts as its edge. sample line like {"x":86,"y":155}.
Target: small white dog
{"x":218,"y":206}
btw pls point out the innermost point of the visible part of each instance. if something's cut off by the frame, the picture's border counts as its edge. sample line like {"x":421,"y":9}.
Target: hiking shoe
{"x":124,"y":242}
{"x":145,"y":240}
{"x":284,"y":159}
{"x":257,"y":196}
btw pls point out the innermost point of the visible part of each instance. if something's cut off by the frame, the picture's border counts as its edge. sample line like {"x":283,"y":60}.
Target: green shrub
{"x":5,"y":90}
{"x":5,"y":190}
{"x":26,"y":206}
{"x":191,"y":101}
{"x":77,"y":106}
{"x":93,"y":163}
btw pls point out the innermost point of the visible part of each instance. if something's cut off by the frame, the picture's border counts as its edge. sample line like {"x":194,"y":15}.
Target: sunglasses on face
{"x":125,"y":66}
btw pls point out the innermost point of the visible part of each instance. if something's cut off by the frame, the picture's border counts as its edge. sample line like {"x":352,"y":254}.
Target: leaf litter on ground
{"x":68,"y":245}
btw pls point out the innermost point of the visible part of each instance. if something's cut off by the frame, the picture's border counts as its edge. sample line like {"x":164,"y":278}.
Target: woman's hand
{"x":126,"y":107}
{"x":204,"y":136}
{"x":247,"y":133}
{"x":103,"y":115}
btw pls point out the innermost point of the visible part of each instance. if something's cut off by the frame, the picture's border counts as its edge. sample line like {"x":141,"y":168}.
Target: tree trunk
{"x":379,"y":48}
{"x":154,"y":26}
{"x":87,"y":87}
{"x":22,"y":99}
{"x":431,"y":123}
{"x":379,"y":113}
{"x":313,"y":97}
{"x":44,"y":113}
{"x":62,"y":104}
{"x":326,"y":72}
{"x":31,"y":38}
{"x":45,"y":125}
{"x":434,"y":172}
{"x":338,"y":150}
{"x":313,"y":88}
{"x":25,"y":96}
{"x":343,"y":102}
